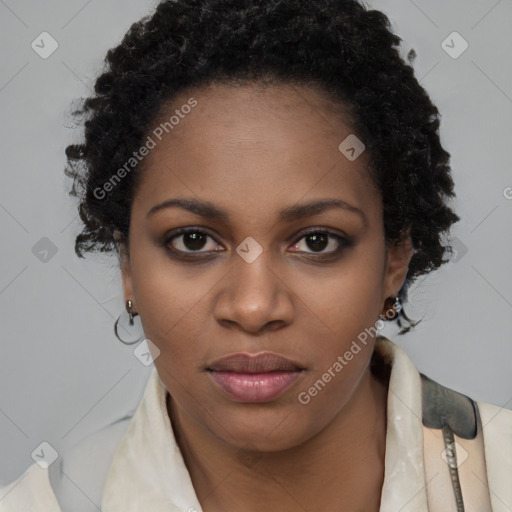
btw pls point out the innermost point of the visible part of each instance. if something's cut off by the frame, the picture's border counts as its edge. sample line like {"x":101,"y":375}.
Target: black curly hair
{"x":340,"y":47}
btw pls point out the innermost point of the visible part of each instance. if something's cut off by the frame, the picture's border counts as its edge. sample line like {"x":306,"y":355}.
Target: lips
{"x":254,"y":363}
{"x":254,"y":377}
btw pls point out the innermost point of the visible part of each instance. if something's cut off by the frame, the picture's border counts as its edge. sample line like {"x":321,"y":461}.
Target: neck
{"x":341,"y":468}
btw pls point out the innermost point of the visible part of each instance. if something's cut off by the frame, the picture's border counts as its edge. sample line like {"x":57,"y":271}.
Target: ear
{"x":399,"y":255}
{"x":124,"y":266}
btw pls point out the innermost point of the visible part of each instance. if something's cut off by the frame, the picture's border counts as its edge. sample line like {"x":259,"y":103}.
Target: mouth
{"x":254,"y":377}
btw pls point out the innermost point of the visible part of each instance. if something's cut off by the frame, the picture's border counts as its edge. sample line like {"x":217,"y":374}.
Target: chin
{"x":267,"y":431}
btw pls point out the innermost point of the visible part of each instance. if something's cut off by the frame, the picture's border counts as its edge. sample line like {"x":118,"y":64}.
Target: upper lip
{"x":262,"y":362}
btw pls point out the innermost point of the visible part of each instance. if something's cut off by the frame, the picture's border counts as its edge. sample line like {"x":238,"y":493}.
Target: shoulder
{"x":495,"y":413}
{"x":30,"y":491}
{"x":74,"y":481}
{"x":477,"y":431}
{"x":79,"y":478}
{"x":497,"y":430}
{"x":442,"y":405}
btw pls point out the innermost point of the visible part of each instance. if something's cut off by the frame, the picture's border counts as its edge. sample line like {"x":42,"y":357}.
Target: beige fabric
{"x":31,"y":492}
{"x":471,"y":467}
{"x":148,"y":471}
{"x":497,"y":432}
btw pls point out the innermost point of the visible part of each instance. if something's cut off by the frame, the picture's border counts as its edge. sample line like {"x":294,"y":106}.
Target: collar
{"x":148,"y":471}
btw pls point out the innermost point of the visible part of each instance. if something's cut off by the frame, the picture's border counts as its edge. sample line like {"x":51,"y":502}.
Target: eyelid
{"x":343,"y":240}
{"x":183,"y":231}
{"x":316,"y":229}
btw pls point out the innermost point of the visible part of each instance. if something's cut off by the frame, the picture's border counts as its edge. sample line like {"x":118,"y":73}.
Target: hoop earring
{"x":396,"y":307}
{"x":131,"y":314}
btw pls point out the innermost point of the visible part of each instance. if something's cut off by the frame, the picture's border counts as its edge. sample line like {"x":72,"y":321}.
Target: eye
{"x":190,"y":241}
{"x":318,"y":240}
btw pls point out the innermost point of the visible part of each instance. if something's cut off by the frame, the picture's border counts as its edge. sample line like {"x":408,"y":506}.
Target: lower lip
{"x":254,"y":387}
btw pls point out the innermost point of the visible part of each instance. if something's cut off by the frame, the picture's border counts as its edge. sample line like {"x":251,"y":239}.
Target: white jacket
{"x":135,"y":464}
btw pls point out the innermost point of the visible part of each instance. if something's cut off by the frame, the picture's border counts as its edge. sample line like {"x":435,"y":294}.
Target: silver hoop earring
{"x":131,"y":315}
{"x":391,"y":306}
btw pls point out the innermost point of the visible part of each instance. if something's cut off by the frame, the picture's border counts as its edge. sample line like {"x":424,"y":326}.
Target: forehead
{"x":253,"y":147}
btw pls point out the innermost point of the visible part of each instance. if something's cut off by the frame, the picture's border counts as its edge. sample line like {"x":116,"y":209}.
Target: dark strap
{"x":444,"y":406}
{"x":454,"y":413}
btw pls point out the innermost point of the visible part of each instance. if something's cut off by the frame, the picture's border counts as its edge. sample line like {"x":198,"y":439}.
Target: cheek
{"x":168,"y":297}
{"x":329,"y":385}
{"x":342,"y":348}
{"x":342,"y":318}
{"x":345,"y":301}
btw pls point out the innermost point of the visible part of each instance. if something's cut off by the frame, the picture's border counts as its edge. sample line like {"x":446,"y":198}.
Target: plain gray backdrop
{"x":63,"y":374}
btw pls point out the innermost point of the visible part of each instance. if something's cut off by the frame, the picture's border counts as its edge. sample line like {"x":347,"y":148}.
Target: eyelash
{"x":177,"y":253}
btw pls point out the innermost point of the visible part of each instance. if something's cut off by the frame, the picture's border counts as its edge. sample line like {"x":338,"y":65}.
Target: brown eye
{"x":190,"y":241}
{"x":194,"y":241}
{"x":318,"y":241}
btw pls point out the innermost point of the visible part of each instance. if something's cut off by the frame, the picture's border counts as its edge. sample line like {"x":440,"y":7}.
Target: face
{"x":258,"y":271}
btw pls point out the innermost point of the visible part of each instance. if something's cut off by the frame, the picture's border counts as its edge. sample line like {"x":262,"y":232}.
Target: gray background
{"x":63,"y":374}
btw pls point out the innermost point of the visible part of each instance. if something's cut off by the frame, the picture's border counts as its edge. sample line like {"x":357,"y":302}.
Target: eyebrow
{"x":291,"y":213}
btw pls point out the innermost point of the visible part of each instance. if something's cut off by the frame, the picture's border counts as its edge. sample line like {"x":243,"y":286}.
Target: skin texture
{"x":254,"y":151}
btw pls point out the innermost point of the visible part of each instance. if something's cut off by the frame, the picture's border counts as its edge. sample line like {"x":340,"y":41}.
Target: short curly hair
{"x":341,"y":47}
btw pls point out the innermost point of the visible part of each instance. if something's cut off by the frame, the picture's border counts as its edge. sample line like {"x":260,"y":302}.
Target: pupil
{"x":319,"y":241}
{"x":194,"y":241}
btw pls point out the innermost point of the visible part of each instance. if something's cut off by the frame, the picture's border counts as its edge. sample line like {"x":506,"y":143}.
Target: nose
{"x":254,"y":296}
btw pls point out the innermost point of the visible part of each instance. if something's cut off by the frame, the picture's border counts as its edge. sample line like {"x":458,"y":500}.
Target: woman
{"x":271,"y":176}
